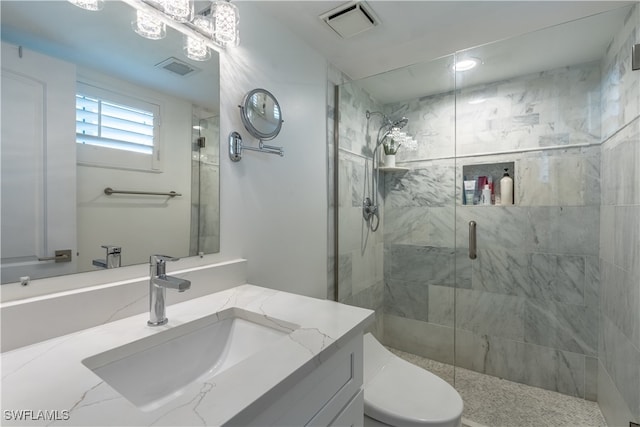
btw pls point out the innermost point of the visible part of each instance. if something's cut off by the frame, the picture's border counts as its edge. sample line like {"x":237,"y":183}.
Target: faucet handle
{"x":112,"y":249}
{"x":154,"y":259}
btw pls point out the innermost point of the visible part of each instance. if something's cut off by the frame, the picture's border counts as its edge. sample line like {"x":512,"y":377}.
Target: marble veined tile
{"x":621,"y":166}
{"x":420,"y":225}
{"x":441,"y":305}
{"x":408,"y":300}
{"x":554,"y":370}
{"x":540,"y":276}
{"x":562,"y":326}
{"x":619,"y":83}
{"x":431,"y":124}
{"x":622,"y":362}
{"x":559,"y":178}
{"x":620,"y":300}
{"x":627,"y":237}
{"x":418,"y":337}
{"x":406,"y":224}
{"x":558,"y":277}
{"x":490,"y":355}
{"x":563,"y":229}
{"x":529,"y":364}
{"x":371,"y":297}
{"x":489,"y":313}
{"x":592,"y":281}
{"x":496,"y":226}
{"x":345,"y":266}
{"x":431,"y":186}
{"x":420,"y":264}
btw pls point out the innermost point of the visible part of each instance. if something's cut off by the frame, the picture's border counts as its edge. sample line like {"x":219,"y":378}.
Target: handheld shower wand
{"x":370,"y":203}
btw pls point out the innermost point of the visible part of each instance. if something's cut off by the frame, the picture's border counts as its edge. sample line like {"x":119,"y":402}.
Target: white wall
{"x":274,"y":208}
{"x":125,"y":221}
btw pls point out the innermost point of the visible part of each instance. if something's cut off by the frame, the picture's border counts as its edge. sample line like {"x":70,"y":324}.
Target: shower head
{"x":399,"y":124}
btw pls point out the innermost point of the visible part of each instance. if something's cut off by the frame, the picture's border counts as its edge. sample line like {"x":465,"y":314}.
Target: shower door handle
{"x":472,"y":240}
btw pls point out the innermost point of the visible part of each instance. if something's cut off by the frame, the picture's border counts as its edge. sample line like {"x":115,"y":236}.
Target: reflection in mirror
{"x":261,"y":114}
{"x":88,"y":104}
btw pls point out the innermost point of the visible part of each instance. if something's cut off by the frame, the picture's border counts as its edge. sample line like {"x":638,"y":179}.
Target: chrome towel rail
{"x":109,"y":191}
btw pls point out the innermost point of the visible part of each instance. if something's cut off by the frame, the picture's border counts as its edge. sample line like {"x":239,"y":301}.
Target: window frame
{"x":107,"y":157}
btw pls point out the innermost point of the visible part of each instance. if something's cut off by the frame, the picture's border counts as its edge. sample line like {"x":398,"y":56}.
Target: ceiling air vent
{"x":350,"y":19}
{"x":177,"y":67}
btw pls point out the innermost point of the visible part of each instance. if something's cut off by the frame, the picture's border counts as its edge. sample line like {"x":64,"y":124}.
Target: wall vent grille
{"x":178,"y":67}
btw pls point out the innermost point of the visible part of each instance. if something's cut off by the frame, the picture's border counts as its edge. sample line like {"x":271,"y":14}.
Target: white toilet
{"x":400,"y":394}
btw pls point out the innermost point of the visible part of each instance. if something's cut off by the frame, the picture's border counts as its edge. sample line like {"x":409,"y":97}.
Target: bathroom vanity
{"x":243,"y":356}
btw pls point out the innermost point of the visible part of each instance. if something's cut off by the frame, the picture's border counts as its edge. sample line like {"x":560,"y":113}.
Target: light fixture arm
{"x":185,"y":28}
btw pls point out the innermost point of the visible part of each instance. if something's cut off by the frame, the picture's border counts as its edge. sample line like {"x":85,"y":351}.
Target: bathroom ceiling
{"x":417,"y":31}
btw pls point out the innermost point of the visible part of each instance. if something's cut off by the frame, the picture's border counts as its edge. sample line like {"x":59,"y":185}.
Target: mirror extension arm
{"x":236,"y":147}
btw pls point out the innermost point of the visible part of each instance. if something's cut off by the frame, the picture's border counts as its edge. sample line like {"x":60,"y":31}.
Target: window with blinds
{"x":111,"y":125}
{"x":116,"y":130}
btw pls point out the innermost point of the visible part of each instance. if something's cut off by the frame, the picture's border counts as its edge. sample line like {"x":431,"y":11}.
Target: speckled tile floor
{"x":494,"y":402}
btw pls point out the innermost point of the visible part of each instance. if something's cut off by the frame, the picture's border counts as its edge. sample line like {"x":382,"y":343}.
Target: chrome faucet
{"x":158,"y":284}
{"x":112,"y":260}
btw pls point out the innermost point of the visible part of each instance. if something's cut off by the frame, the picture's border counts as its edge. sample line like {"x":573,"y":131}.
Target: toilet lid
{"x":402,"y":394}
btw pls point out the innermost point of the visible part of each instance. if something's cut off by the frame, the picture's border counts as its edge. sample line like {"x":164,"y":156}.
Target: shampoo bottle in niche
{"x":506,"y":188}
{"x":486,"y":195}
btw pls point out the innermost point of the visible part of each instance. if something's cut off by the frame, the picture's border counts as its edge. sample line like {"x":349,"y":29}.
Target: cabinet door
{"x":353,"y":414}
{"x":38,"y":164}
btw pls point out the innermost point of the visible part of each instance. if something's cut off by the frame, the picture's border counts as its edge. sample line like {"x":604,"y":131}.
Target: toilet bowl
{"x":398,"y":393}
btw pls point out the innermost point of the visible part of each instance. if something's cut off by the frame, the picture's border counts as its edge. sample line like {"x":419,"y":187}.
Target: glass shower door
{"x":528,"y":156}
{"x":405,"y":269}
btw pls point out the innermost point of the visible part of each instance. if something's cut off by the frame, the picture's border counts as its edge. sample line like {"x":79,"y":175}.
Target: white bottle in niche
{"x":486,"y":195}
{"x":506,"y":188}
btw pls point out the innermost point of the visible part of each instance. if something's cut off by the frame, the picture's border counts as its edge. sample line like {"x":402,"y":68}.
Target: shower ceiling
{"x":417,"y":31}
{"x":576,"y":42}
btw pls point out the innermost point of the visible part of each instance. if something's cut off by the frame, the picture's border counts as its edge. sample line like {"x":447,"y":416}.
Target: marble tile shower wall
{"x":360,"y":250}
{"x":619,"y":329}
{"x":527,"y":307}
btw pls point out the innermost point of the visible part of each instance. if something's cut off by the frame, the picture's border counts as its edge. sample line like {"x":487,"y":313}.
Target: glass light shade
{"x":149,"y":26}
{"x":205,"y":24}
{"x":93,"y":5}
{"x":196,"y":49}
{"x":178,"y":10}
{"x":225,"y":23}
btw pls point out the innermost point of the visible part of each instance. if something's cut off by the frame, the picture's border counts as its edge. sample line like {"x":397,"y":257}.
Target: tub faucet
{"x":158,"y":284}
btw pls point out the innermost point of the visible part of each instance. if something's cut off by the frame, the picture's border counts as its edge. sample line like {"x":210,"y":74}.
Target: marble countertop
{"x":46,"y":383}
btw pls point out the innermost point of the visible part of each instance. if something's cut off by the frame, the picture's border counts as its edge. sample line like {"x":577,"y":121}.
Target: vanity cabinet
{"x":330,"y":393}
{"x":311,"y":375}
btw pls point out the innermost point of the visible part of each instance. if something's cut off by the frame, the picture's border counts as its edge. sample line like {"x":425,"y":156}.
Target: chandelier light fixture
{"x":178,"y":10}
{"x":225,"y":19}
{"x":204,"y":24}
{"x":93,"y":5}
{"x":215,"y":27}
{"x":149,"y":26}
{"x":195,"y":48}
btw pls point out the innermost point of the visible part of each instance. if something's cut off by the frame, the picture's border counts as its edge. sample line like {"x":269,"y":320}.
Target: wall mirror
{"x":261,"y":114}
{"x":62,"y":64}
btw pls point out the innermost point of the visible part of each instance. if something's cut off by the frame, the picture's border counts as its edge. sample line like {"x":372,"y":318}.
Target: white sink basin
{"x":153,"y":371}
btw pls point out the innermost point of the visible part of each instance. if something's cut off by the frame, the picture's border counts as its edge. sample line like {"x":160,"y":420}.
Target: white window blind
{"x":115,"y":130}
{"x":111,"y":125}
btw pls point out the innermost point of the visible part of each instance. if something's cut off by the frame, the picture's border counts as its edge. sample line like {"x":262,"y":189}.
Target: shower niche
{"x":476,"y":176}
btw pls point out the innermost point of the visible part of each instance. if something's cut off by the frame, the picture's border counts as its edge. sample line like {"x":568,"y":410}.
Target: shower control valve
{"x":368,"y":209}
